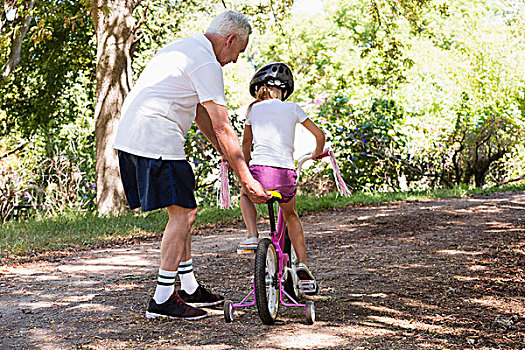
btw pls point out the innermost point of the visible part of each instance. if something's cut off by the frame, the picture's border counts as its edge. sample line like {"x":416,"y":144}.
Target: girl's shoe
{"x":304,"y":273}
{"x":247,"y":245}
{"x":306,"y":282}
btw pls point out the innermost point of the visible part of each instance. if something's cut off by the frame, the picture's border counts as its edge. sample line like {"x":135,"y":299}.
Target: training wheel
{"x":309,"y":311}
{"x":228,"y":311}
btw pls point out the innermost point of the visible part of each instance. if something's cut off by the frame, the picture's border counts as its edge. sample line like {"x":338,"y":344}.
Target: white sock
{"x":165,"y":286}
{"x":187,"y":278}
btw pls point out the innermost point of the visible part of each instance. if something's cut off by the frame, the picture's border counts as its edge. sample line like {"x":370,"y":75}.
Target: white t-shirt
{"x":160,"y":108}
{"x":273,"y":127}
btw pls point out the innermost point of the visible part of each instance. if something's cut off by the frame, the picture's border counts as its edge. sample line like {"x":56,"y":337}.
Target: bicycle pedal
{"x":245,"y":251}
{"x":307,"y":286}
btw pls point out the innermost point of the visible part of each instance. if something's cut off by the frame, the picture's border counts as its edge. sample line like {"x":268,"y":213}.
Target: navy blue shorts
{"x":156,"y":183}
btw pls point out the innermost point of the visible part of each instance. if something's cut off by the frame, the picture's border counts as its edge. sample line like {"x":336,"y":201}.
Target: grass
{"x":80,"y":230}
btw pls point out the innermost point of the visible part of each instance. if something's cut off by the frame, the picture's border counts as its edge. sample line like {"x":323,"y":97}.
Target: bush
{"x":364,"y":140}
{"x":48,"y":173}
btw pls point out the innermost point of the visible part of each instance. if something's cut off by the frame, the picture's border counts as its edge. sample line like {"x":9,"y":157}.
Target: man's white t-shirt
{"x":160,"y":108}
{"x":273,"y":127}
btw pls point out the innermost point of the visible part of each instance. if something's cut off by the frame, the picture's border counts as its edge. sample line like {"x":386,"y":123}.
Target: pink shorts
{"x":276,"y":179}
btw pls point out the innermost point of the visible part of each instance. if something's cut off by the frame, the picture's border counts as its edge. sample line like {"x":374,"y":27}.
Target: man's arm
{"x":204,"y":124}
{"x":230,"y":146}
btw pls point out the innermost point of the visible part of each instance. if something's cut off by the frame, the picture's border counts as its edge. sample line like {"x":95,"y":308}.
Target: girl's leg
{"x":295,"y":229}
{"x":249,"y":214}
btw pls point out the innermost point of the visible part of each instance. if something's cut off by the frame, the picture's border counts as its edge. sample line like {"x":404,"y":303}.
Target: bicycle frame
{"x":277,"y":235}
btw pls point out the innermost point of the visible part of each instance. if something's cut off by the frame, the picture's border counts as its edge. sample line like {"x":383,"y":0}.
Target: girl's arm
{"x":319,"y":137}
{"x":247,"y":139}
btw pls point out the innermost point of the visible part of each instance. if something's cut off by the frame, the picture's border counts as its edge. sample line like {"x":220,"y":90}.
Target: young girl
{"x":270,"y":126}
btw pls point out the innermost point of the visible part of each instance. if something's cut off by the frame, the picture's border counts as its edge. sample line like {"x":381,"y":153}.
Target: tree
{"x":117,"y":23}
{"x":115,"y":29}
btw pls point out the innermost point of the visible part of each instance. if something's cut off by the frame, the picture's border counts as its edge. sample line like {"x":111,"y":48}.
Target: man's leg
{"x":191,"y":291}
{"x":176,"y":237}
{"x":166,"y":302}
{"x":188,"y":282}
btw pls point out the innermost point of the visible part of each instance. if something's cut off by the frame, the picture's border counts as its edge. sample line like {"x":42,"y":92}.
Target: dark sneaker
{"x":201,"y":297}
{"x":174,"y":307}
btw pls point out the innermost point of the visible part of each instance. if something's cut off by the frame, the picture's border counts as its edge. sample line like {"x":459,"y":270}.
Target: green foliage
{"x":83,"y":230}
{"x":57,"y":63}
{"x":435,"y":89}
{"x":362,"y":135}
{"x":481,"y":138}
{"x":425,"y":70}
{"x":49,"y":173}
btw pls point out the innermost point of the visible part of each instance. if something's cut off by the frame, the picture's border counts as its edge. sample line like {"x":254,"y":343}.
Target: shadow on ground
{"x":444,"y":274}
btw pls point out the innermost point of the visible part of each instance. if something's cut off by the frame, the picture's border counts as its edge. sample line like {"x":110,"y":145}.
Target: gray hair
{"x":230,"y":22}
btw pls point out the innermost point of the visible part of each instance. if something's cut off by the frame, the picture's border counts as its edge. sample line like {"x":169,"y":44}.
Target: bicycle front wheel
{"x":266,"y":280}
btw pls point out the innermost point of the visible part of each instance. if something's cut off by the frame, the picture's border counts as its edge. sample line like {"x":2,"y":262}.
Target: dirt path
{"x":444,"y":274}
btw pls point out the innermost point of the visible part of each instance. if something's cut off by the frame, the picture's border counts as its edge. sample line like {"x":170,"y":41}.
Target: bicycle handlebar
{"x":308,"y":156}
{"x":276,"y":195}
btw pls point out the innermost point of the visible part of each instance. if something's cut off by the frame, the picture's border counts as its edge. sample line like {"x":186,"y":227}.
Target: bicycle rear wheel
{"x":290,"y":286}
{"x":266,"y":280}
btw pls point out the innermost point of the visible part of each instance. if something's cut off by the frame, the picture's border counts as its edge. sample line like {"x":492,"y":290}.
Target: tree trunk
{"x":115,"y":35}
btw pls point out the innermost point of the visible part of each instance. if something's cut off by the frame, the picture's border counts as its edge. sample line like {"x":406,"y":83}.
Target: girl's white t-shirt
{"x":273,"y":127}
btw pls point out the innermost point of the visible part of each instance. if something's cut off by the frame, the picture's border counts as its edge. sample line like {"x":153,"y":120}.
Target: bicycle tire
{"x":266,"y":281}
{"x":228,"y":311}
{"x":309,"y":312}
{"x":290,"y":285}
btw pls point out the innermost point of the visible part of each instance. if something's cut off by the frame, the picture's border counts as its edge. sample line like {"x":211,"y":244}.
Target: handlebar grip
{"x":326,"y":153}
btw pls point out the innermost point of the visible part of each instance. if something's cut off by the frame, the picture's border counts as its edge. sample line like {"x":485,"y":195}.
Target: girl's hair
{"x":264,"y":93}
{"x":231,"y":22}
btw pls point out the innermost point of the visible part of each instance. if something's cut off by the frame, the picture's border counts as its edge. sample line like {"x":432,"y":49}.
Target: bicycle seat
{"x":274,"y":197}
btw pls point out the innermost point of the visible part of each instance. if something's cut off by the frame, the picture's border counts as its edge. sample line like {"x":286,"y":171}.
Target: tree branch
{"x":142,"y":19}
{"x":511,"y":180}
{"x":17,"y":40}
{"x":18,"y":148}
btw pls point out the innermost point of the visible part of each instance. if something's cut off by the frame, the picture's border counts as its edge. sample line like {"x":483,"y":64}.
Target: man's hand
{"x":256,"y":192}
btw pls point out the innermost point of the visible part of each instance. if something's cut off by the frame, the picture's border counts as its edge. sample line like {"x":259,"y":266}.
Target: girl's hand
{"x":317,"y":154}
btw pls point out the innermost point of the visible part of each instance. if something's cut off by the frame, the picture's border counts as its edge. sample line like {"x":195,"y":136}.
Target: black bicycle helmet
{"x":273,"y":74}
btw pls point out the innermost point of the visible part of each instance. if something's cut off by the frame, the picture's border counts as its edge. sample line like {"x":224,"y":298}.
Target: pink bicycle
{"x":275,"y":278}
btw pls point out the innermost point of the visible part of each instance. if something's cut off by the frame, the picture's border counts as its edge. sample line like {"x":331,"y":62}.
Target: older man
{"x":182,"y":83}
